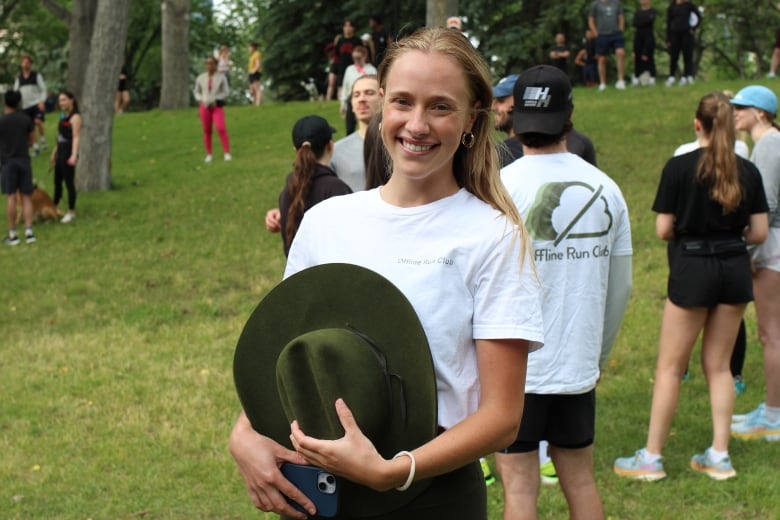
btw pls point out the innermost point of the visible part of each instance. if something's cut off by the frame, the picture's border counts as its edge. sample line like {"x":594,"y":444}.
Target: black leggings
{"x":64,"y":172}
{"x":681,"y":41}
{"x":738,"y":356}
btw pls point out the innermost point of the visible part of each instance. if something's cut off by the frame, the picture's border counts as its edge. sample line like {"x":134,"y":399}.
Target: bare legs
{"x":766,"y":288}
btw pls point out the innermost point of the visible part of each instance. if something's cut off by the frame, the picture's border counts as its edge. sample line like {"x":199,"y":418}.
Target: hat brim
{"x":332,"y":296}
{"x":547,"y":122}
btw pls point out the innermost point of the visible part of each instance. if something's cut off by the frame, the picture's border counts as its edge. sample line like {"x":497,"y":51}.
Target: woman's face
{"x":66,"y":104}
{"x":426,"y":110}
{"x":744,"y":118}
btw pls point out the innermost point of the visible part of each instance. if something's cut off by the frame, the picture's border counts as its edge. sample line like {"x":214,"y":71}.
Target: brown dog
{"x":43,"y":207}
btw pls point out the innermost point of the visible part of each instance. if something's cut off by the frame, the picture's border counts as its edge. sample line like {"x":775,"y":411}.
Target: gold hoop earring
{"x":467,"y":140}
{"x":379,"y":127}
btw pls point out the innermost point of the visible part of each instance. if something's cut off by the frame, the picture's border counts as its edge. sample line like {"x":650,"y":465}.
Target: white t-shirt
{"x":740,"y":148}
{"x":577,"y":219}
{"x":456,"y":259}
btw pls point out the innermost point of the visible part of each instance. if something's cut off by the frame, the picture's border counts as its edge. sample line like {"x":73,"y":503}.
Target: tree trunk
{"x":80,"y":28}
{"x":105,"y":60}
{"x":437,"y":12}
{"x":175,"y":92}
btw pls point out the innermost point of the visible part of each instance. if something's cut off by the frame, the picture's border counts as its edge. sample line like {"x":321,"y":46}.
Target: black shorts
{"x":565,"y":421}
{"x":34,"y":113}
{"x":254,"y":77}
{"x":16,"y":175}
{"x":706,"y":280}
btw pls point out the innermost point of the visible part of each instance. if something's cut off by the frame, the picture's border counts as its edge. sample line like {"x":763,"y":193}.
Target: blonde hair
{"x":718,"y":163}
{"x":476,"y":167}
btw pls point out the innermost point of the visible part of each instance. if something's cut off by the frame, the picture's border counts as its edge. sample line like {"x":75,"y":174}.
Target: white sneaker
{"x":651,"y":81}
{"x":68,"y":217}
{"x":228,"y":157}
{"x":602,"y":86}
{"x":620,"y":85}
{"x":690,"y":80}
{"x":771,"y":75}
{"x":683,"y":81}
{"x":634,"y":81}
{"x":670,"y":81}
{"x":208,"y":158}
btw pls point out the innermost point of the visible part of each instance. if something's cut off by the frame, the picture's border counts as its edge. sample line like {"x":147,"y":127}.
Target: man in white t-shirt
{"x":578,"y":221}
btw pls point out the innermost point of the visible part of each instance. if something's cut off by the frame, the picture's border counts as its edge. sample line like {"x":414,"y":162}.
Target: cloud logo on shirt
{"x":568,"y":210}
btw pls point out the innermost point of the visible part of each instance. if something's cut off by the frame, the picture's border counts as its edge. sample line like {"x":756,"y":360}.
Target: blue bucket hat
{"x":756,"y":96}
{"x":505,"y":86}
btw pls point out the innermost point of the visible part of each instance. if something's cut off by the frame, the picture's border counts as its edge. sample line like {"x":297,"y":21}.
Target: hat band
{"x":389,"y":376}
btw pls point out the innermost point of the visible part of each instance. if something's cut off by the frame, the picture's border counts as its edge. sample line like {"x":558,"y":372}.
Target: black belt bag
{"x":713,"y":247}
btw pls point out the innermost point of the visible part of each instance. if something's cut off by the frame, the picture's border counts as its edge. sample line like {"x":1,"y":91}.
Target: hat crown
{"x":314,"y":130}
{"x":543,"y":100}
{"x":757,"y":96}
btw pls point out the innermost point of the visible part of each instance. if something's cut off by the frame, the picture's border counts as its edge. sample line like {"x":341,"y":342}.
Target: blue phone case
{"x":321,"y":487}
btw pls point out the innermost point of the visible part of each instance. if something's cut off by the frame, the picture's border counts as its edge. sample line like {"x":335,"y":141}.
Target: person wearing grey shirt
{"x":607,"y":21}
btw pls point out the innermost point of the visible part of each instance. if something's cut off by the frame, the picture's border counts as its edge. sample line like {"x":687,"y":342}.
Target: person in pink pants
{"x":211,"y":91}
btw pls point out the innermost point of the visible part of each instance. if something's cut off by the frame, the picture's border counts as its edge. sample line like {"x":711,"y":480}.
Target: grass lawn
{"x":117,"y":331}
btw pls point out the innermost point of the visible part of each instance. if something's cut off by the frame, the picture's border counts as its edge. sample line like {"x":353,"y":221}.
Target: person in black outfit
{"x":380,"y":39}
{"x":311,"y":180}
{"x":345,"y":43}
{"x":682,"y":18}
{"x":644,"y":44}
{"x":17,"y":133}
{"x":65,"y":155}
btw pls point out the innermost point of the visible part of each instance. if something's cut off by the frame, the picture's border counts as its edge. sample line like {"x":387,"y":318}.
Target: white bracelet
{"x":410,"y":478}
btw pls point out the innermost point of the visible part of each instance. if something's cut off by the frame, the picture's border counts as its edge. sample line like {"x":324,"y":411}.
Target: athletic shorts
{"x":254,"y":77}
{"x":16,"y":175}
{"x":606,"y":44}
{"x":767,"y":255}
{"x":706,"y":280}
{"x":34,"y":113}
{"x":565,"y":421}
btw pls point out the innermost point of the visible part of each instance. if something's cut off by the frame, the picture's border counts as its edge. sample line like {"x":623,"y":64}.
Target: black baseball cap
{"x":543,"y":101}
{"x":312,"y":129}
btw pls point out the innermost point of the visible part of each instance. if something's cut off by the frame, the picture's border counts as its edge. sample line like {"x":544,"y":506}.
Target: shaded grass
{"x":118,"y":330}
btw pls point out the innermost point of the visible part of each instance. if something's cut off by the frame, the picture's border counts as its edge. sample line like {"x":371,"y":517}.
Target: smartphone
{"x":318,"y":485}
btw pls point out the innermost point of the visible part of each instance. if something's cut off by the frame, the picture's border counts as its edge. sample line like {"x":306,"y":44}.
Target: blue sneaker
{"x":748,"y":416}
{"x":716,"y":470}
{"x":739,"y":386}
{"x":635,"y":467}
{"x":757,"y":426}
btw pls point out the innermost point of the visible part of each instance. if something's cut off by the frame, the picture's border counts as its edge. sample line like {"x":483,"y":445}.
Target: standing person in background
{"x":607,"y":22}
{"x":560,"y":54}
{"x":586,"y":58}
{"x":755,"y":112}
{"x":682,"y":18}
{"x":211,"y":91}
{"x":33,"y":89}
{"x":122,"y":98}
{"x":17,"y":133}
{"x":255,"y":69}
{"x":380,"y":38}
{"x":66,"y":154}
{"x":345,"y":44}
{"x":224,"y":63}
{"x":358,"y":69}
{"x":311,"y":180}
{"x":710,"y":203}
{"x":437,"y":131}
{"x":644,"y":44}
{"x":560,"y":387}
{"x":775,"y":53}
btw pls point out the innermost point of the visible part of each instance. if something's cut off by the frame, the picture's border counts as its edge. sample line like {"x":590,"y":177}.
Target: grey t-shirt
{"x":606,"y":14}
{"x":766,"y":156}
{"x":347,"y":161}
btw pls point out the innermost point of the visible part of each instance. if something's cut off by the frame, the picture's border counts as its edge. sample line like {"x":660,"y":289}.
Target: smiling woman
{"x":444,"y":232}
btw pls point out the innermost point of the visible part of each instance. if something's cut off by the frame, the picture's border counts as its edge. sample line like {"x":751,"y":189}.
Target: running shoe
{"x":11,"y":240}
{"x":747,"y":416}
{"x":757,"y":426}
{"x":739,"y":386}
{"x":716,"y":470}
{"x":635,"y":467}
{"x":548,"y":474}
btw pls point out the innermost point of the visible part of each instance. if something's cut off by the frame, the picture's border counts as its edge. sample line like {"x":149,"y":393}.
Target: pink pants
{"x":215,"y":115}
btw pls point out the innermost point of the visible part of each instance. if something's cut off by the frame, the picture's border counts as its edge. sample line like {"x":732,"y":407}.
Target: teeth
{"x":417,"y":147}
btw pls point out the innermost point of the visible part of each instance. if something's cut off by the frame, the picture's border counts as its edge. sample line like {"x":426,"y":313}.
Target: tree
{"x":437,"y":11}
{"x":105,"y":60}
{"x":175,"y":54}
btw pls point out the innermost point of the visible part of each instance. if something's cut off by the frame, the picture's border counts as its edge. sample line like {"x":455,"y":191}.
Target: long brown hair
{"x":306,"y":160}
{"x":718,"y":163}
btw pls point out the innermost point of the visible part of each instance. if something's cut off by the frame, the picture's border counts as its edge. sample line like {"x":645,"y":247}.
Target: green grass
{"x":118,"y":330}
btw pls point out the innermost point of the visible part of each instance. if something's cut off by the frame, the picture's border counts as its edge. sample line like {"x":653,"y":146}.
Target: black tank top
{"x":64,"y":136}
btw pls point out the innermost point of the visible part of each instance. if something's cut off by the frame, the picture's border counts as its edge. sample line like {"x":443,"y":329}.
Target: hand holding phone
{"x":318,"y":485}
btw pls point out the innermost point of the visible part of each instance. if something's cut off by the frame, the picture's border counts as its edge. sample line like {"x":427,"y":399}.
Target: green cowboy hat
{"x":340,"y":330}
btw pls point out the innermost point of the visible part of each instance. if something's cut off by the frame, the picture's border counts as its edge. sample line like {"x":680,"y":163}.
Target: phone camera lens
{"x":331,"y":479}
{"x":322,"y":486}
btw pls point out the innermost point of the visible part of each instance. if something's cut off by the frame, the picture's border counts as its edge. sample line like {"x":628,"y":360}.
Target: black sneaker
{"x":30,"y":238}
{"x":12,"y":241}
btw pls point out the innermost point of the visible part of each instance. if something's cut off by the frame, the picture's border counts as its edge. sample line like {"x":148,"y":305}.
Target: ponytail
{"x":305,"y":165}
{"x":718,"y":163}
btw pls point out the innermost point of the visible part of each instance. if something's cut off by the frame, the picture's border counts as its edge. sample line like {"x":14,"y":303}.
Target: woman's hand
{"x":259,"y":459}
{"x":353,"y":456}
{"x":72,"y":160}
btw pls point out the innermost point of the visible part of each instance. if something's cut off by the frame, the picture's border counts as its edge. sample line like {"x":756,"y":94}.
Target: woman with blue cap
{"x":755,"y":112}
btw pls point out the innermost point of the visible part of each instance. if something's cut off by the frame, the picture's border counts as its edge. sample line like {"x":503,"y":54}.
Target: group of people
{"x":429,"y":196}
{"x":23,"y":113}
